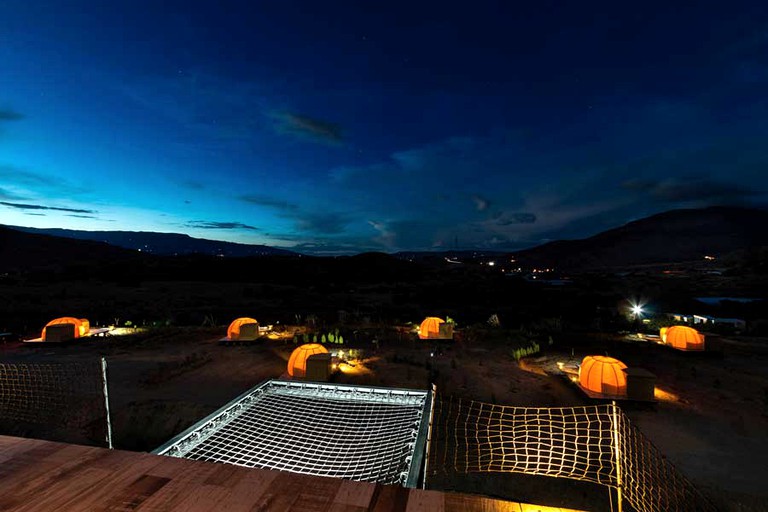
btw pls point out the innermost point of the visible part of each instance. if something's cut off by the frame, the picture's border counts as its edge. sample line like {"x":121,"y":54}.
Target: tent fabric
{"x":233,"y":331}
{"x":81,"y":326}
{"x":430,"y":327}
{"x":682,"y":337}
{"x":663,"y":334}
{"x":603,"y":374}
{"x":297,"y":363}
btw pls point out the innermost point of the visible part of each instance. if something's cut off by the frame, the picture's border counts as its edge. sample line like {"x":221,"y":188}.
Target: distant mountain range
{"x":20,"y":251}
{"x":163,"y":244}
{"x":673,"y":236}
{"x":669,"y":237}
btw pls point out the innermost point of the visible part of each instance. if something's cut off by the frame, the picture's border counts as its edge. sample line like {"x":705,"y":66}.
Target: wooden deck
{"x":41,"y":475}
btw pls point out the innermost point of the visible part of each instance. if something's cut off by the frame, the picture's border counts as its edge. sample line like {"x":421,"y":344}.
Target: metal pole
{"x":106,"y":401}
{"x":617,"y":453}
{"x":429,"y":436}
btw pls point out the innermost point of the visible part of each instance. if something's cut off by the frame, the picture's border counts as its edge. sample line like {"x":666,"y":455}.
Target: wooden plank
{"x":388,"y":498}
{"x":125,"y":485}
{"x":226,"y":475}
{"x":295,"y":492}
{"x":356,"y":494}
{"x":61,"y":463}
{"x":131,"y":496}
{"x":203,"y":498}
{"x":62,"y":494}
{"x":81,"y":478}
{"x":317,"y":494}
{"x":425,"y":501}
{"x":250,"y":489}
{"x":184,"y":475}
{"x":468,"y":503}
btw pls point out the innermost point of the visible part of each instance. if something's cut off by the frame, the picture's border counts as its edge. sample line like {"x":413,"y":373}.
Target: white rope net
{"x":60,"y":401}
{"x":567,"y":442}
{"x":356,"y":433}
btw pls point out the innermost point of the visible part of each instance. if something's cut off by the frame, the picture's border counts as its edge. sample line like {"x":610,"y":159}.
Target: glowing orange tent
{"x":233,"y":331}
{"x":603,"y":374}
{"x":684,"y":338}
{"x":81,"y":327}
{"x":430,"y":327}
{"x":297,"y":363}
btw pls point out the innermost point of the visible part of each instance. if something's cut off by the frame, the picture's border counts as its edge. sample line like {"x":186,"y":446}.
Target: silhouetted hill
{"x":20,"y":252}
{"x":163,"y":244}
{"x":673,"y":236}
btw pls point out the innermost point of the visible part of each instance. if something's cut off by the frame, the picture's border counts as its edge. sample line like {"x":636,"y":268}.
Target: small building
{"x":311,"y":362}
{"x":735,"y":323}
{"x":65,"y":328}
{"x":682,"y":337}
{"x":433,"y":328}
{"x":243,"y":329}
{"x":603,"y":375}
{"x":680,"y":317}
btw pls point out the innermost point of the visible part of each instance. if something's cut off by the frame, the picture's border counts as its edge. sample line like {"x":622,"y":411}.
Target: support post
{"x":106,"y":401}
{"x":429,"y":436}
{"x":617,"y":454}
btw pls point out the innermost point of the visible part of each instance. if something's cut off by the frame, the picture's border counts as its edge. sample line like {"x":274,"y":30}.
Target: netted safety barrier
{"x":59,"y":401}
{"x":353,"y":432}
{"x":588,"y":443}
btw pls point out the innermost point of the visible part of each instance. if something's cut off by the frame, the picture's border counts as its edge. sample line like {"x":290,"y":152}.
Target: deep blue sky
{"x":340,"y":126}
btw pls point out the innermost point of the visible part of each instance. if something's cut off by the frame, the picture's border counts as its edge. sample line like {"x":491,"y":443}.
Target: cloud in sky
{"x":481,"y":203}
{"x":192,"y":184}
{"x":208,"y":224}
{"x":308,"y":127}
{"x":36,"y":182}
{"x":306,"y":220}
{"x":7,"y":114}
{"x":269,"y":201}
{"x":322,"y":223}
{"x":693,"y":189}
{"x":510,"y":218}
{"x":24,"y":206}
{"x":5,"y":194}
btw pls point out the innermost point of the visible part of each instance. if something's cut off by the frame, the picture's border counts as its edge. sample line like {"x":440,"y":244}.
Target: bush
{"x":522,"y":352}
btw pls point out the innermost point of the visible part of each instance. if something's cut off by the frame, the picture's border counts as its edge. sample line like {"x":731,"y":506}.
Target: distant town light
{"x":637,"y":310}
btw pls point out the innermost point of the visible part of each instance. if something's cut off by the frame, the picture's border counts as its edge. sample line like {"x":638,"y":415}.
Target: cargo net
{"x":566,"y":442}
{"x":56,"y":401}
{"x":649,"y":481}
{"x":354,"y":433}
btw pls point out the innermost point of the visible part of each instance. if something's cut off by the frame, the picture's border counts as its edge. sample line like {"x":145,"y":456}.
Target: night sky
{"x":343,"y":127}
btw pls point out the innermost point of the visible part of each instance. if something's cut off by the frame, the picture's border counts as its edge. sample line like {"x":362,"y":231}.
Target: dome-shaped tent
{"x":297,"y":363}
{"x":80,"y":327}
{"x":603,"y":374}
{"x":435,"y":328}
{"x":243,"y":329}
{"x":684,"y":338}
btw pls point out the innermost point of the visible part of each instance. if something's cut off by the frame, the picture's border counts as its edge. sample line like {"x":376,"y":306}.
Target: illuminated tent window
{"x":684,"y":338}
{"x":435,"y":328}
{"x":243,"y":329}
{"x":80,"y":327}
{"x":602,"y":374}
{"x":297,"y":363}
{"x":663,"y":334}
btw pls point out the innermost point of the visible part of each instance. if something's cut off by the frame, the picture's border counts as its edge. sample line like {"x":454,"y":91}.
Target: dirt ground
{"x":710,"y":421}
